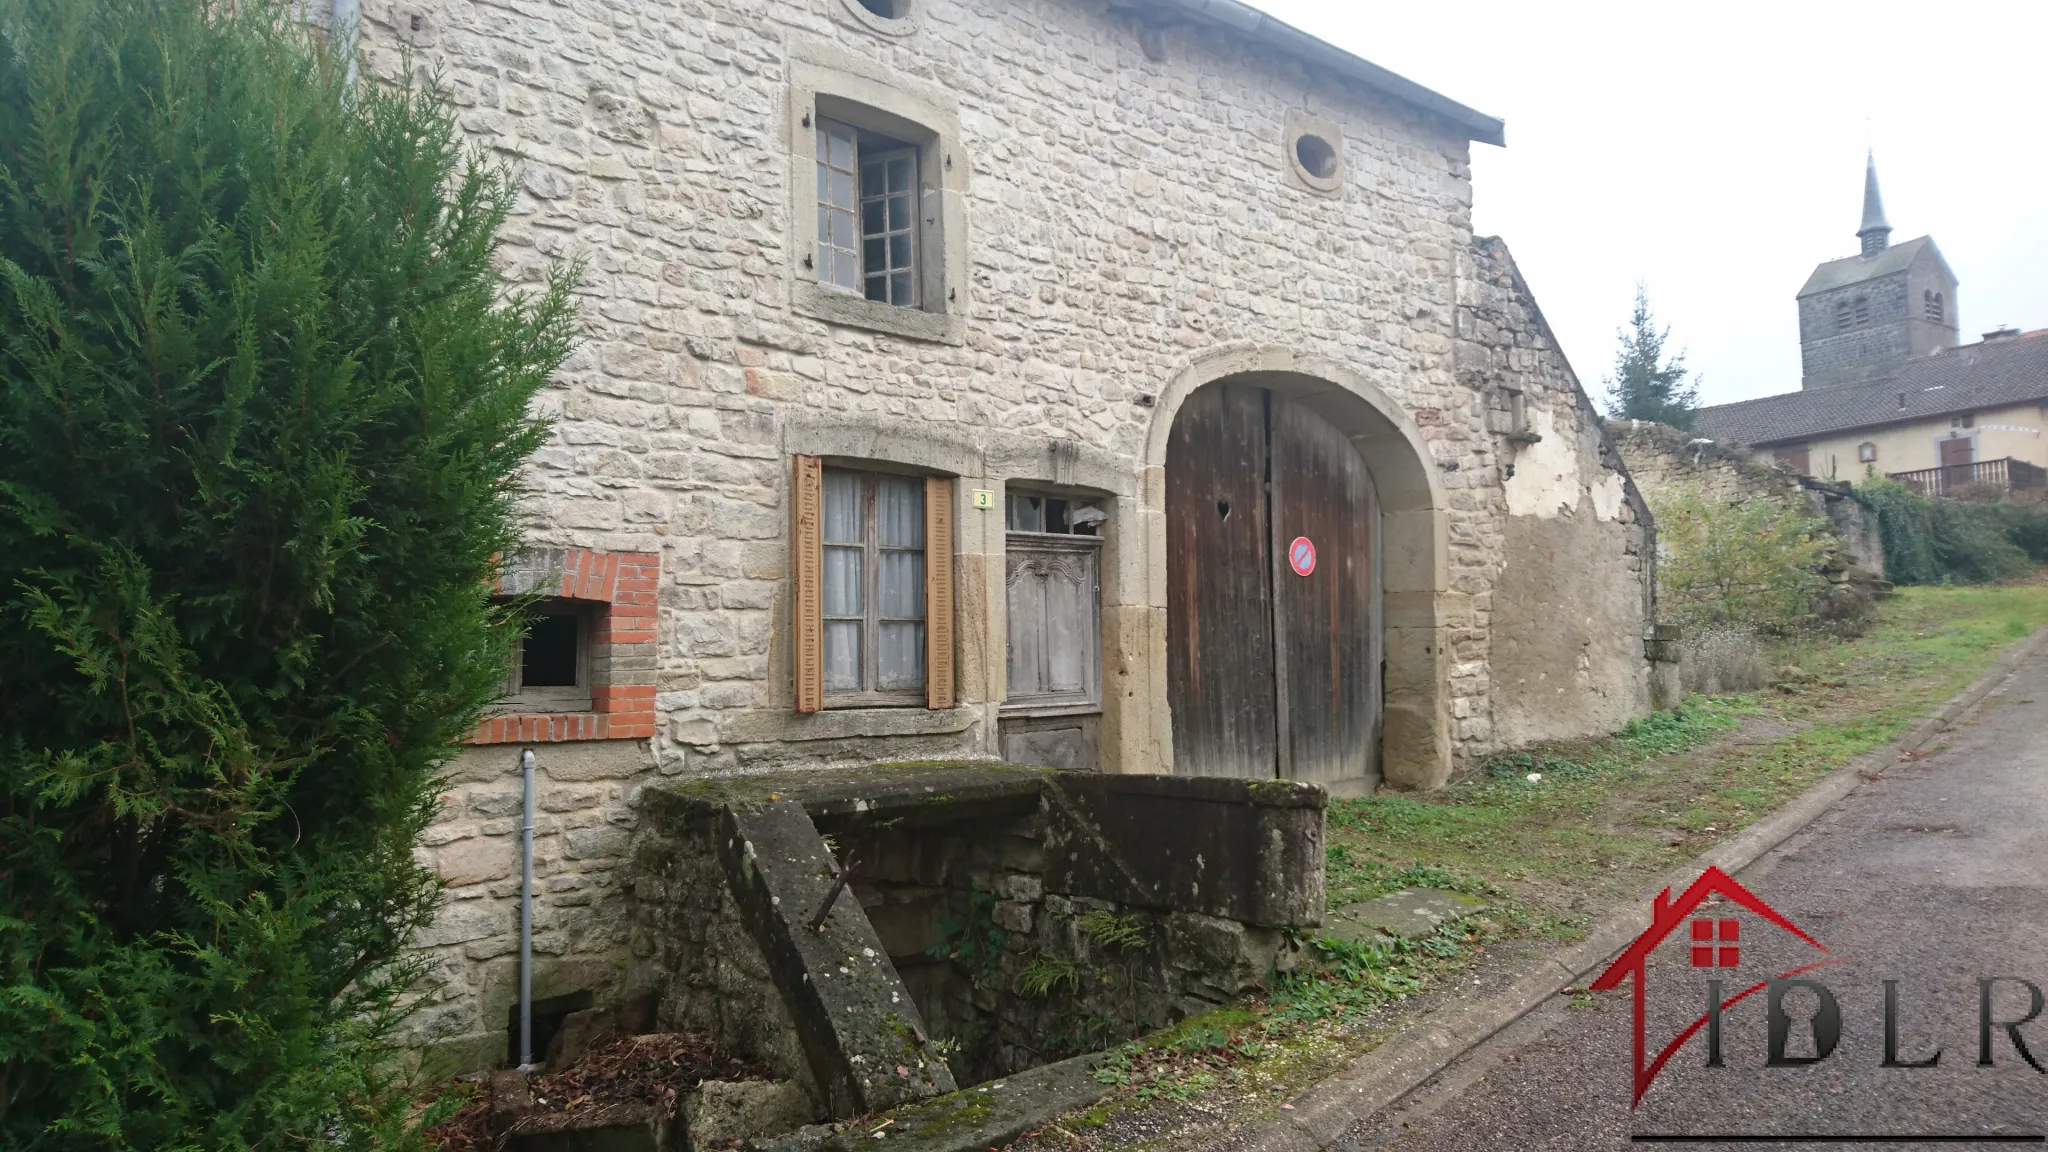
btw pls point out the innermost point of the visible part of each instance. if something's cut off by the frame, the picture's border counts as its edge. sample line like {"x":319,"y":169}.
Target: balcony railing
{"x":2001,"y":475}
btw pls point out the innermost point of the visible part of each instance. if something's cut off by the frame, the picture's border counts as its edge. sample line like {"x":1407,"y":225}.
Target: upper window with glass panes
{"x":867,"y":214}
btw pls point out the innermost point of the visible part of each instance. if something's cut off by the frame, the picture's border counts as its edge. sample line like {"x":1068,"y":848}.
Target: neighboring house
{"x":1886,"y":391}
{"x":1968,"y":415}
{"x":962,"y":378}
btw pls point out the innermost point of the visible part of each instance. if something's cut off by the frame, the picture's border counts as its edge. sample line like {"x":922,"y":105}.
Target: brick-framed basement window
{"x":614,"y":594}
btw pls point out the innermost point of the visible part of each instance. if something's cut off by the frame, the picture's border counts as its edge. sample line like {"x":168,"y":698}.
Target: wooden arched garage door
{"x":1273,"y":659}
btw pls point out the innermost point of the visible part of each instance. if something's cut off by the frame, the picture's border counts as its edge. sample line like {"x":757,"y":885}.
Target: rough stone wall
{"x":963,"y":881}
{"x":693,"y":953}
{"x":1665,"y":460}
{"x":931,"y":892}
{"x":1124,"y":215}
{"x":1828,"y":358}
{"x":586,"y":798}
{"x":1667,"y":463}
{"x":1572,"y":605}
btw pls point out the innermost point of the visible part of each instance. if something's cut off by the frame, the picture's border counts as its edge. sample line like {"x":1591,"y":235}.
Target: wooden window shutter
{"x":807,"y":581}
{"x":938,"y":592}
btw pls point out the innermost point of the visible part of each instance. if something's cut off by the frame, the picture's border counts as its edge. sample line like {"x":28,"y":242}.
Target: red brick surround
{"x":622,"y":650}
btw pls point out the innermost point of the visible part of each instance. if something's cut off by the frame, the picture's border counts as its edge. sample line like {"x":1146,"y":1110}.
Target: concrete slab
{"x":970,"y":1120}
{"x":1411,"y":913}
{"x":860,"y":1029}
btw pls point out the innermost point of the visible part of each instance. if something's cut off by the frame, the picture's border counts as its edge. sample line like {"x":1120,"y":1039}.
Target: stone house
{"x":1111,"y":386}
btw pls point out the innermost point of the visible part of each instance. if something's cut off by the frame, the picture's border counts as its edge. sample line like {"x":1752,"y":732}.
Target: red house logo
{"x":1713,"y":942}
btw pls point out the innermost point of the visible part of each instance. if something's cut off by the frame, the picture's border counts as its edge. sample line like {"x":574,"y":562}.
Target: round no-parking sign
{"x":1301,"y":555}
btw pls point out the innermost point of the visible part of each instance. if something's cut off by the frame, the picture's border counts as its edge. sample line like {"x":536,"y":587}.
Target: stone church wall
{"x":1828,"y":358}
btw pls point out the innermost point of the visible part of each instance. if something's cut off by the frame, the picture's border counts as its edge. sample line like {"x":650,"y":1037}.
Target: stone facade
{"x":586,"y":808}
{"x":1828,"y":355}
{"x":1116,"y":215}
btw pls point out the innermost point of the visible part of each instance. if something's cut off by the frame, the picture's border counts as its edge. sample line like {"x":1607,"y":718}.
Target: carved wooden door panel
{"x":1055,"y":656}
{"x":1219,"y":616}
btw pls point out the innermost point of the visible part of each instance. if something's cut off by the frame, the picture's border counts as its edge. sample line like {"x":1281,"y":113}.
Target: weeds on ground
{"x":1546,"y":856}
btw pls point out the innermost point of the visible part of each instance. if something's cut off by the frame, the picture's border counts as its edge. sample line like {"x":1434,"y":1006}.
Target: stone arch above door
{"x":1416,"y":745}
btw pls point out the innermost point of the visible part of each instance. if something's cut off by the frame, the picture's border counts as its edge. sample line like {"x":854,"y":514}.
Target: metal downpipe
{"x":526,"y":916}
{"x":344,"y":18}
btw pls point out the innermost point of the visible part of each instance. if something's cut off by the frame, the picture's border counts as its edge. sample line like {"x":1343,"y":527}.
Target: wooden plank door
{"x":1958,"y":453}
{"x":1324,"y":636}
{"x":1219,"y":638}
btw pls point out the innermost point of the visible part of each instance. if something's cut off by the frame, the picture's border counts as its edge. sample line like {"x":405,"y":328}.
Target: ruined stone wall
{"x":1665,"y":460}
{"x":1669,"y":463}
{"x":1572,"y":605}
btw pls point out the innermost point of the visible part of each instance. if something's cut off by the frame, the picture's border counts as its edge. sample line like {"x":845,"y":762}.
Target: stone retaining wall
{"x":1666,"y":461}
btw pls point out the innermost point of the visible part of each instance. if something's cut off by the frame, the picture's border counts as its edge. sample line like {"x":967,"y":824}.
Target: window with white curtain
{"x":873,"y":584}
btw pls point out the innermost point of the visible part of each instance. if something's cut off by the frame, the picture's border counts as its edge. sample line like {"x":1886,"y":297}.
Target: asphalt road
{"x":1934,"y":876}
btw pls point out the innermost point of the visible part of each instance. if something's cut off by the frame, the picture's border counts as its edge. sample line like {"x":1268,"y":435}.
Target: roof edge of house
{"x":1916,"y":418}
{"x":1286,"y":37}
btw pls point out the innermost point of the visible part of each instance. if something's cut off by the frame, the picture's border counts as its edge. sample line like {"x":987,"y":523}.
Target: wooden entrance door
{"x":1957,"y":454}
{"x":1271,"y":670}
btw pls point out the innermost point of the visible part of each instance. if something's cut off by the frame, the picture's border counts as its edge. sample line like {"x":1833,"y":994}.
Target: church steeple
{"x":1875,"y":233}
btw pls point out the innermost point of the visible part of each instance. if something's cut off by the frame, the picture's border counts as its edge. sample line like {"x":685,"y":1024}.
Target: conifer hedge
{"x":262,"y":397}
{"x":1978,"y":540}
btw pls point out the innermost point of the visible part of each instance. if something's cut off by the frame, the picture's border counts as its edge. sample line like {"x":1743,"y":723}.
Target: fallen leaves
{"x":656,"y":1068}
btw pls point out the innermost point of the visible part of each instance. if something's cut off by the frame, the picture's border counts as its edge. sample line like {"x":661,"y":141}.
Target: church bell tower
{"x":1862,"y":316}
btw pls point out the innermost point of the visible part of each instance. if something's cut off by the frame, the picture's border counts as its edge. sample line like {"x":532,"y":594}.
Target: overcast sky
{"x":1715,"y":152}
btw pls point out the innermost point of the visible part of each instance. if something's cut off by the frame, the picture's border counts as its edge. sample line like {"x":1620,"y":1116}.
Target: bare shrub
{"x":1713,"y":661}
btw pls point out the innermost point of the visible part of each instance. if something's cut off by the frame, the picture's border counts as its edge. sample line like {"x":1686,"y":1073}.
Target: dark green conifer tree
{"x":1645,"y":385}
{"x":262,"y":400}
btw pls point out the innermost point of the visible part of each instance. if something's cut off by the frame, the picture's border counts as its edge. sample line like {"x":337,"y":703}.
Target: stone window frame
{"x":840,"y":87}
{"x":1301,"y":124}
{"x":1866,"y":452}
{"x":619,"y":591}
{"x":856,"y":13}
{"x":808,"y":695}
